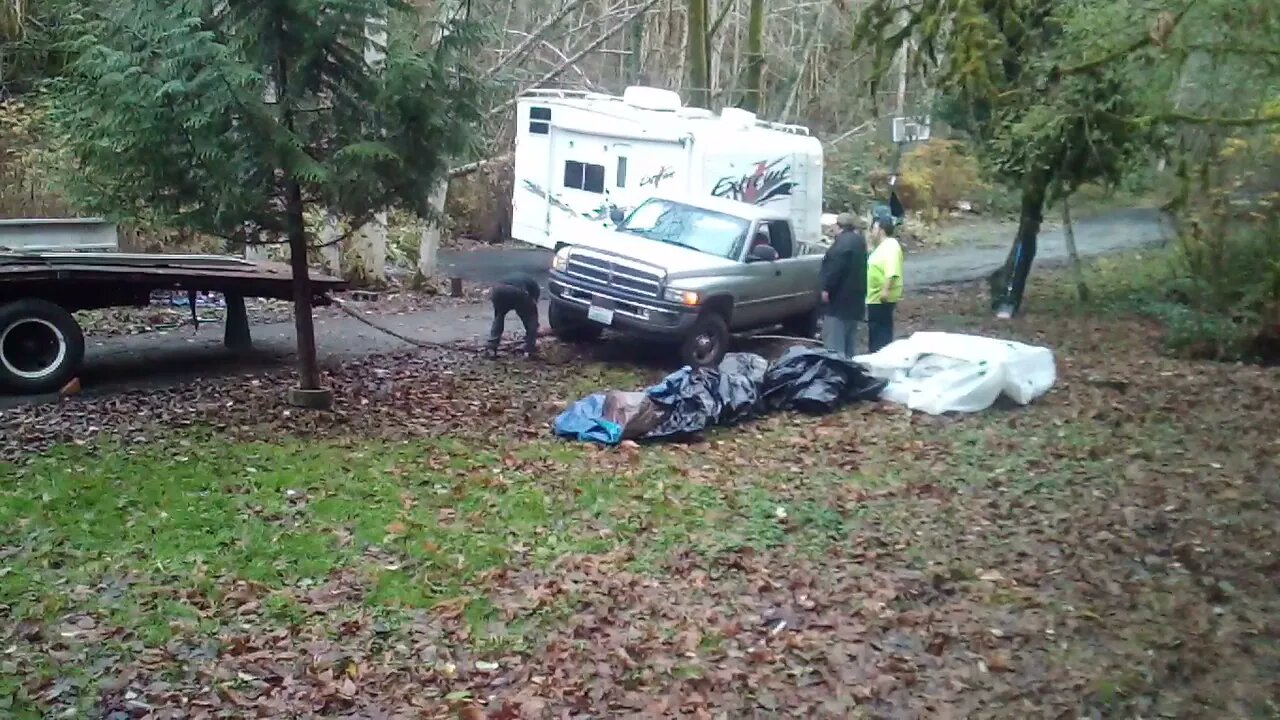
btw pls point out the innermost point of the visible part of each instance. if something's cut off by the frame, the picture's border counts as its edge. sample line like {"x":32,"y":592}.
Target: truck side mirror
{"x":762,"y":253}
{"x":616,"y":215}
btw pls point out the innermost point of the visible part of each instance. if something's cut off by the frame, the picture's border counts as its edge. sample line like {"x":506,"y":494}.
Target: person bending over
{"x":518,"y":292}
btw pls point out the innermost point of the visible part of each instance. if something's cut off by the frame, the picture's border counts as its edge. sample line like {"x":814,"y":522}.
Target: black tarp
{"x":742,"y":387}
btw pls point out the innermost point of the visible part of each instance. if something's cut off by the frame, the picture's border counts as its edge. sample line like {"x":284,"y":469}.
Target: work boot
{"x":491,"y":353}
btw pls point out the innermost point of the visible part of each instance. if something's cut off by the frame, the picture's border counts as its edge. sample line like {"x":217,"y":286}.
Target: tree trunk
{"x":429,"y":242}
{"x":308,"y":366}
{"x":295,"y":224}
{"x":1077,"y":269}
{"x":900,"y":104}
{"x":699,"y":76}
{"x":635,"y":49}
{"x":371,"y":250}
{"x":752,"y":99}
{"x":1010,"y":282}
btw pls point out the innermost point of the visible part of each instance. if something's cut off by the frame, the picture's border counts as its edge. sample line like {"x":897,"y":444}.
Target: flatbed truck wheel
{"x":41,"y":346}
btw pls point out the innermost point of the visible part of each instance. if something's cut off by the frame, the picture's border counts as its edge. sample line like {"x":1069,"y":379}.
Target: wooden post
{"x":455,"y":287}
{"x":235,"y":332}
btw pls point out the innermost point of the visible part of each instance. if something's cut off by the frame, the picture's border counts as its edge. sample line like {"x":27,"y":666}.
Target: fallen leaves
{"x":1107,"y":552}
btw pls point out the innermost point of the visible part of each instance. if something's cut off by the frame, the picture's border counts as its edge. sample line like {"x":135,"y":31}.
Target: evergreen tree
{"x":233,"y":118}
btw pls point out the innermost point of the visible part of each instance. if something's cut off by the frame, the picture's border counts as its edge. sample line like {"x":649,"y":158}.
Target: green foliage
{"x":204,"y":115}
{"x":26,"y":54}
{"x":1057,"y":94}
{"x":999,"y":67}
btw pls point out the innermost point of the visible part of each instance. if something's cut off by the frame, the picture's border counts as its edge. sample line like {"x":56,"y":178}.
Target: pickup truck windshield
{"x":687,"y":226}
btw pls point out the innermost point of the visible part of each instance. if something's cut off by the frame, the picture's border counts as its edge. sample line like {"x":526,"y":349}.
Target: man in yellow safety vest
{"x":884,"y":278}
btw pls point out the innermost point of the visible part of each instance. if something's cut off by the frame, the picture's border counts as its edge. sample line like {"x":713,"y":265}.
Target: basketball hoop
{"x":910,"y":129}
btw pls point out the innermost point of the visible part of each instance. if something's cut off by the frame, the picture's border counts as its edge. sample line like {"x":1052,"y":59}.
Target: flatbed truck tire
{"x":41,"y":346}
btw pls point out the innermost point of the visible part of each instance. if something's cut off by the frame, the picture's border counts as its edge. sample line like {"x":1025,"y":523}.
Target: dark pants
{"x":506,"y":299}
{"x":879,"y":325}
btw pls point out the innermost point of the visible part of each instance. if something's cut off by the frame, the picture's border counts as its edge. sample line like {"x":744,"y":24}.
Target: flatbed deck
{"x":84,"y":276}
{"x":42,"y":345}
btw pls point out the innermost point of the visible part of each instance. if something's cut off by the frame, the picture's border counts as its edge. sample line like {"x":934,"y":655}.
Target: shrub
{"x":937,"y":176}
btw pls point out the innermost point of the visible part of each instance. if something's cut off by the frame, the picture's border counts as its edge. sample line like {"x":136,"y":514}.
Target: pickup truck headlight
{"x":560,"y":262}
{"x":684,"y":297}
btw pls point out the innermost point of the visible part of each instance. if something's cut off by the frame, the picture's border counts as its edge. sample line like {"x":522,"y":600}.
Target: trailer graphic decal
{"x":600,"y":212}
{"x":769,"y":180}
{"x":654,"y":180}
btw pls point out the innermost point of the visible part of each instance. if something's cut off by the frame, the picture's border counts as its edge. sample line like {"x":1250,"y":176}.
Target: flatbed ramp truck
{"x":50,"y":269}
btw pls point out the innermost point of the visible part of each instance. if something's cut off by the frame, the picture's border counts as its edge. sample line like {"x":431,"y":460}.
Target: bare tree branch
{"x":591,"y":46}
{"x":532,"y":38}
{"x":469,"y":168}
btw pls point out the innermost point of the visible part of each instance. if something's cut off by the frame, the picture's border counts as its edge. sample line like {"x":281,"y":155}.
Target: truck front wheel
{"x":41,"y":346}
{"x":707,"y":342}
{"x":567,"y":327}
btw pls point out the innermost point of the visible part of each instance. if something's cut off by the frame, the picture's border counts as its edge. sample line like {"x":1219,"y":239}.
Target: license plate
{"x":601,"y":315}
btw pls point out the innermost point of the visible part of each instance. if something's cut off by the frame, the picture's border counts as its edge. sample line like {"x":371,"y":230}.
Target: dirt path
{"x":122,"y":363}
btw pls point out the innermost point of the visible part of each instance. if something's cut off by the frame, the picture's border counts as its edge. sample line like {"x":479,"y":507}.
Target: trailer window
{"x":540,"y":120}
{"x":584,"y":176}
{"x":622,"y":172}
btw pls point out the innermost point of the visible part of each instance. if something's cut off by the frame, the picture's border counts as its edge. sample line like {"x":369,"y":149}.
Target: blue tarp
{"x":584,"y":421}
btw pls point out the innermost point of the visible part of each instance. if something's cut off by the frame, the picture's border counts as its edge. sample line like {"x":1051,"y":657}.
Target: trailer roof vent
{"x":651,"y":98}
{"x":738,"y":118}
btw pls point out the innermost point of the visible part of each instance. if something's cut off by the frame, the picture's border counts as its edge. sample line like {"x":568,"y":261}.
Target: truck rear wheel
{"x":567,"y":327}
{"x":41,"y":346}
{"x":707,"y":342}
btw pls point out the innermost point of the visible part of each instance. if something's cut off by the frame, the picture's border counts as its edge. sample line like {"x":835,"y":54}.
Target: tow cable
{"x":429,"y":345}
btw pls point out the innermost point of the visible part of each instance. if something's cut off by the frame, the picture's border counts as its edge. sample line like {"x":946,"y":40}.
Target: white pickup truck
{"x":690,"y":272}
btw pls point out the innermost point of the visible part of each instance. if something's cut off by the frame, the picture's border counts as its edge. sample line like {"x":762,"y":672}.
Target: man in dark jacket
{"x":844,"y":287}
{"x":518,"y":292}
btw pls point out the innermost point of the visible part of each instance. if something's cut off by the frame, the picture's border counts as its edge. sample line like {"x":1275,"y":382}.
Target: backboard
{"x":910,"y":129}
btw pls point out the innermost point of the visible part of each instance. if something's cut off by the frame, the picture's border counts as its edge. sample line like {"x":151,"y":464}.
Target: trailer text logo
{"x":767,"y":181}
{"x":656,"y":179}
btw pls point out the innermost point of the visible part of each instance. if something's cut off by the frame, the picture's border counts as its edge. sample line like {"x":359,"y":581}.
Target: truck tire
{"x":566,"y":327}
{"x":41,"y":346}
{"x":804,"y":325}
{"x":707,"y":341}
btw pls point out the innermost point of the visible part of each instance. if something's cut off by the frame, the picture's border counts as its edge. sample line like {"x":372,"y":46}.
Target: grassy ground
{"x":1106,"y":552}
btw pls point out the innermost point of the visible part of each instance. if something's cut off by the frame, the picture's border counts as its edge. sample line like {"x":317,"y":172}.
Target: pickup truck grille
{"x":627,"y":278}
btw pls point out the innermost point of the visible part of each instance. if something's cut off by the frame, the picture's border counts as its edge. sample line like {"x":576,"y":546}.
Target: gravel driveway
{"x":165,"y":358}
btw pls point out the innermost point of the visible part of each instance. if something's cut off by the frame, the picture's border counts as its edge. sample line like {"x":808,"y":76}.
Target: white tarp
{"x":938,"y":372}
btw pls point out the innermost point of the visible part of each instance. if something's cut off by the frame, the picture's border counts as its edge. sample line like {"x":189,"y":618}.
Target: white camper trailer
{"x":580,"y":155}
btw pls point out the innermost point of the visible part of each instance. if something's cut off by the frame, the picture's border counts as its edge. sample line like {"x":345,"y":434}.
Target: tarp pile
{"x":937,"y":372}
{"x":744,"y":386}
